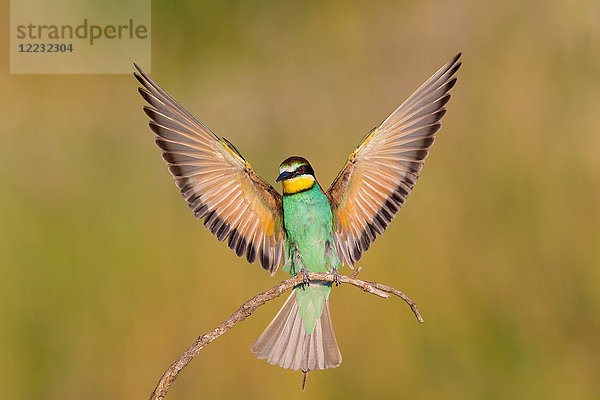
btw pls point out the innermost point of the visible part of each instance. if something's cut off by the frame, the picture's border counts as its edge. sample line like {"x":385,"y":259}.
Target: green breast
{"x":308,"y":222}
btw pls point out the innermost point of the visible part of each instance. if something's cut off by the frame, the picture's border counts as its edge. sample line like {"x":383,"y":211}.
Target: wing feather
{"x":215,"y":180}
{"x":380,"y":174}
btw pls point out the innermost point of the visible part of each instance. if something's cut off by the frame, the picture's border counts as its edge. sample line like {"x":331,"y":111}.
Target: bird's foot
{"x":304,"y":273}
{"x":336,"y":276}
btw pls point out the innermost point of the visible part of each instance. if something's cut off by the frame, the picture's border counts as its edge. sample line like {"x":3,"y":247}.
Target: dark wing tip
{"x":145,"y":80}
{"x":150,"y":112}
{"x":444,"y":100}
{"x":138,"y":77}
{"x":450,"y":84}
{"x":139,"y":69}
{"x":455,"y":68}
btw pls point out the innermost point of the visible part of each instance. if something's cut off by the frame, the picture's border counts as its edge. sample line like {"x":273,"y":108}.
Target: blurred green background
{"x":106,"y":277}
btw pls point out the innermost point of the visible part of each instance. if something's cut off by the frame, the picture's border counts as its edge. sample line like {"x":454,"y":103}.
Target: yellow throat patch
{"x":298,"y":184}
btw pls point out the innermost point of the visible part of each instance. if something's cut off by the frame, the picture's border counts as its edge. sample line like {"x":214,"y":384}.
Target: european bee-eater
{"x":306,"y":228}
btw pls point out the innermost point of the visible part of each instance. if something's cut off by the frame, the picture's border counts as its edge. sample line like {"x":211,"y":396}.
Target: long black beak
{"x":283,"y":175}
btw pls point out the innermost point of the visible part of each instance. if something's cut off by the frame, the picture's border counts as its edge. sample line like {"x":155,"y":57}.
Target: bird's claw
{"x":336,"y":276}
{"x":304,"y":273}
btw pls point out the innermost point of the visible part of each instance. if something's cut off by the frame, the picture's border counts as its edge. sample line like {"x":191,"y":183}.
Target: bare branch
{"x":251,"y":305}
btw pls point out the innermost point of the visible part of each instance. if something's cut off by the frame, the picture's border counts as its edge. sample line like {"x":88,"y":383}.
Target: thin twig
{"x":356,"y":272}
{"x":251,"y":305}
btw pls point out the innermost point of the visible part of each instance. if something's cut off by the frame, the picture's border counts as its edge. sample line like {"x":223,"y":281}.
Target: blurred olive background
{"x":106,"y":277}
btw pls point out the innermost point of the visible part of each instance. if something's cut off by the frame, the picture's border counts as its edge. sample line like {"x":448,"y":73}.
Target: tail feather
{"x":286,"y":343}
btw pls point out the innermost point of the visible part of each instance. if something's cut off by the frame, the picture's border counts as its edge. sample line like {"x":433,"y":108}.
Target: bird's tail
{"x":286,"y":343}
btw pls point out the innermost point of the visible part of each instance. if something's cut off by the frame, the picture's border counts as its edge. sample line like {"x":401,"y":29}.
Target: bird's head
{"x":296,"y":175}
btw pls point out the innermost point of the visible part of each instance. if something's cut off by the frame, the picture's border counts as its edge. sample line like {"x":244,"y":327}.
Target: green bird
{"x":306,"y":229}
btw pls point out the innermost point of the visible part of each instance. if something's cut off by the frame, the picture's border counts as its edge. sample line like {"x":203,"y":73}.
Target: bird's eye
{"x":300,"y":170}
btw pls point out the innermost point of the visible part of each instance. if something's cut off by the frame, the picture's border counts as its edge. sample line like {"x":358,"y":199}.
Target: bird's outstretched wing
{"x":380,"y":174}
{"x":216,"y":181}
